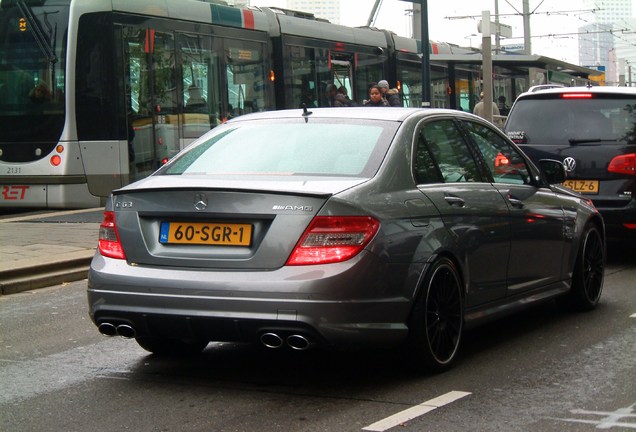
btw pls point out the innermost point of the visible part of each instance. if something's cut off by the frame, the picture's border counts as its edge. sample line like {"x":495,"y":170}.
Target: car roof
{"x":593,"y":89}
{"x":363,"y":113}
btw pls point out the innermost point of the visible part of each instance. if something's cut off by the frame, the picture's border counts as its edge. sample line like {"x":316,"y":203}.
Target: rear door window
{"x":442,"y":154}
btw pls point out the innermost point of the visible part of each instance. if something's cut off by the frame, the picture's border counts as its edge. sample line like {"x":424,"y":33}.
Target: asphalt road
{"x":543,"y":370}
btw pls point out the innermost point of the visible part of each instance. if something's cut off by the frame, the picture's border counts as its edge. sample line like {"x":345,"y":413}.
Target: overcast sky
{"x":455,"y":21}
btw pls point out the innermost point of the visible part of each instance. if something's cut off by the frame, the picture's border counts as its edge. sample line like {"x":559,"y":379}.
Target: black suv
{"x":592,"y":130}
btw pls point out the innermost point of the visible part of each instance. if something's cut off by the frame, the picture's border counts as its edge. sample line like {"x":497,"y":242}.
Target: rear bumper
{"x":620,"y":222}
{"x":360,"y":303}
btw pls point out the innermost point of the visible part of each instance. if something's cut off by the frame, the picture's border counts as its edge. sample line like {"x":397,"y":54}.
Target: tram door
{"x":343,"y":75}
{"x":151,"y":84}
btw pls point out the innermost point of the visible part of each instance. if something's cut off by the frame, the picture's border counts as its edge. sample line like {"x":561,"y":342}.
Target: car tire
{"x":437,"y":321}
{"x":171,"y":347}
{"x":587,"y":277}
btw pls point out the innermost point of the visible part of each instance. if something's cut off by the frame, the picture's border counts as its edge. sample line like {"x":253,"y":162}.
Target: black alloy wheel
{"x":437,"y":322}
{"x":587,"y":278}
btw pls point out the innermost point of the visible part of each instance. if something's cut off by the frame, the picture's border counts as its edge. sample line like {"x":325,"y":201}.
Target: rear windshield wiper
{"x":575,"y":141}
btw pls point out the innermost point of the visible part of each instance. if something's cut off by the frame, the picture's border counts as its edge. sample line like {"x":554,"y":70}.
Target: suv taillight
{"x":623,"y":164}
{"x":331,"y":239}
{"x":109,"y":244}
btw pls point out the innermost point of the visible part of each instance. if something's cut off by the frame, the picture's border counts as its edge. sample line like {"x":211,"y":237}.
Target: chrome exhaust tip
{"x":126,"y":331}
{"x":271,"y":340}
{"x":298,"y":342}
{"x":107,"y":329}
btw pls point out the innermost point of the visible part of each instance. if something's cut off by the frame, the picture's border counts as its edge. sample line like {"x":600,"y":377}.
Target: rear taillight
{"x":109,"y":244}
{"x":623,"y":164}
{"x":331,"y":239}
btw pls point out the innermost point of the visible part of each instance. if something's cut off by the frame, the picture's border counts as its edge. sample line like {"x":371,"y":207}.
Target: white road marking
{"x":632,"y":316}
{"x":608,"y":419}
{"x":414,"y":412}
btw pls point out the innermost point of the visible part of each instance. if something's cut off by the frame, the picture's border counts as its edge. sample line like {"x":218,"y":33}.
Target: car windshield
{"x":334,"y":147}
{"x":558,"y":121}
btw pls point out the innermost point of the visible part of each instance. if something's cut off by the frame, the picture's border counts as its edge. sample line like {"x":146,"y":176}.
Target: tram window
{"x":99,"y":112}
{"x":151,"y":87}
{"x":342,"y":74}
{"x":411,"y":79}
{"x":323,"y":75}
{"x":245,"y":78}
{"x":301,"y":79}
{"x":369,"y":69}
{"x":200,"y":83}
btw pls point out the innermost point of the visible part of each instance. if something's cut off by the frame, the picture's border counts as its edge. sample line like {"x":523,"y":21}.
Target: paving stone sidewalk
{"x":46,"y":249}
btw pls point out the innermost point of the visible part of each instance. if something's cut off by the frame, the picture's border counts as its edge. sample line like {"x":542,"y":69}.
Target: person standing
{"x":334,"y":99}
{"x":391,"y":95}
{"x":375,"y":98}
{"x":479,"y":108}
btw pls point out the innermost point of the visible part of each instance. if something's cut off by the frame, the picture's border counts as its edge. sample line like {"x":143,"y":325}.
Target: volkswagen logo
{"x":200,"y":201}
{"x":569,"y":163}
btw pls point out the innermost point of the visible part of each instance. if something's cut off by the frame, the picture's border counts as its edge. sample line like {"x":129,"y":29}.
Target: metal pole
{"x":527,"y":48}
{"x":417,"y":21}
{"x":374,"y":13}
{"x":497,"y":29}
{"x":621,"y":72}
{"x":487,"y":64}
{"x":426,"y":68}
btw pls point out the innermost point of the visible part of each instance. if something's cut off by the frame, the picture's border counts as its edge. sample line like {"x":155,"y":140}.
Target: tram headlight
{"x":38,"y":152}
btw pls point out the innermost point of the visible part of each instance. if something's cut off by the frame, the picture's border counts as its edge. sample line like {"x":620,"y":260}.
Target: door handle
{"x":516,"y":203}
{"x":455,"y":201}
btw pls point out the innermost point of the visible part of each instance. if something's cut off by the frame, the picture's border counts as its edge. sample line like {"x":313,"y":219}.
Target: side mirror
{"x":553,"y":171}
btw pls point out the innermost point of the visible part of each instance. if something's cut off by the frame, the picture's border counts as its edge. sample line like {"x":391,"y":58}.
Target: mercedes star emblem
{"x":200,"y":201}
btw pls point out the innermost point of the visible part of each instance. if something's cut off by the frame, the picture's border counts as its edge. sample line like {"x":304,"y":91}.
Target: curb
{"x":42,"y":273}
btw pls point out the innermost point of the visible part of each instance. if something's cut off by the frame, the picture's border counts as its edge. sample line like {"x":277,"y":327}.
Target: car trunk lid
{"x":208,"y":223}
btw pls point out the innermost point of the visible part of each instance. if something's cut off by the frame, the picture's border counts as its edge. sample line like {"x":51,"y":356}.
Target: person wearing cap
{"x":391,"y":95}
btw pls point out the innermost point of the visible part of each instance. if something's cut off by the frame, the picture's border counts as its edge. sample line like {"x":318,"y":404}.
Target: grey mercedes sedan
{"x":342,"y":228}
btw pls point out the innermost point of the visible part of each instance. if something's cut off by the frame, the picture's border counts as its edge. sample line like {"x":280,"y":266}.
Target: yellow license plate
{"x":582,"y":186}
{"x":220,"y":234}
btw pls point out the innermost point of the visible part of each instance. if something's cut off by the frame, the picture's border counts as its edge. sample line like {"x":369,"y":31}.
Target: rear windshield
{"x":558,"y":121}
{"x":289,"y":147}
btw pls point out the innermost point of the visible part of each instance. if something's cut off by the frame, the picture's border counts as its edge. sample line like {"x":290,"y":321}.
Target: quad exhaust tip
{"x":295,"y":341}
{"x":107,"y":329}
{"x":298,"y":342}
{"x":126,"y":331}
{"x":271,"y":340}
{"x":123,"y":330}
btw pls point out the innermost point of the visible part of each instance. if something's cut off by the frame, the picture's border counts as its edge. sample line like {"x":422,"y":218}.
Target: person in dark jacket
{"x":375,"y":98}
{"x":391,"y":95}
